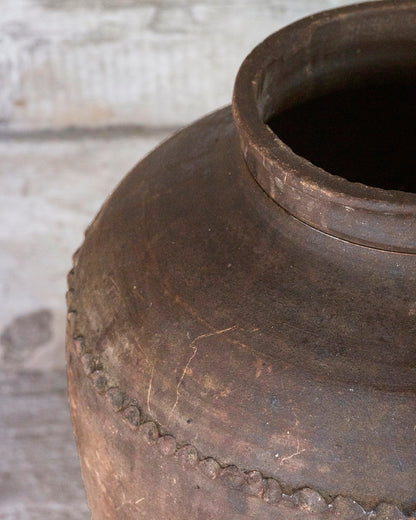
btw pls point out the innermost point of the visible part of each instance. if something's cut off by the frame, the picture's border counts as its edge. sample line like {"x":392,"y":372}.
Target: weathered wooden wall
{"x":128,"y":62}
{"x":50,"y":189}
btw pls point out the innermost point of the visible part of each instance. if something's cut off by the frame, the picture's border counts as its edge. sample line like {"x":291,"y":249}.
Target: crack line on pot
{"x":195,"y":350}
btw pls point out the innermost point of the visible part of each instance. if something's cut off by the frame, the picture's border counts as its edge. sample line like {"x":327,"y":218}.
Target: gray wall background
{"x":87,"y":87}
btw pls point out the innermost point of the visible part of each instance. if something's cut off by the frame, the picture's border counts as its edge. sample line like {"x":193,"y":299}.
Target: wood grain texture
{"x":110,"y":62}
{"x":39,"y":468}
{"x":50,"y":189}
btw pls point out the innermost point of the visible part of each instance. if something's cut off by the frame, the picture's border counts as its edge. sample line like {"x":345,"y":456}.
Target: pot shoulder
{"x":237,"y":328}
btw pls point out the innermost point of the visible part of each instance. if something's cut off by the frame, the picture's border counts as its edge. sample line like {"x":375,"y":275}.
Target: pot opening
{"x":365,"y":134}
{"x":325,"y":110}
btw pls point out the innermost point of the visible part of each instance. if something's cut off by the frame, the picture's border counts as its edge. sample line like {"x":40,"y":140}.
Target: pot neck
{"x":336,"y":50}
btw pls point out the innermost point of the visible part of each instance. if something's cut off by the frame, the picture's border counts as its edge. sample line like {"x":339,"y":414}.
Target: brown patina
{"x":241,"y":339}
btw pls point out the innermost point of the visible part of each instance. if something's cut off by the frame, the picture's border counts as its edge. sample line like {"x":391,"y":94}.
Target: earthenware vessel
{"x":241,"y":328}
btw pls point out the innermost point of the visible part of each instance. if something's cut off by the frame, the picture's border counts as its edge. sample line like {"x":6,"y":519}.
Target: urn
{"x":241,"y":337}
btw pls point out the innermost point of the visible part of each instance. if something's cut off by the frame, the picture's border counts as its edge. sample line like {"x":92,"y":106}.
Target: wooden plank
{"x":111,"y":62}
{"x":39,"y":469}
{"x":50,"y":189}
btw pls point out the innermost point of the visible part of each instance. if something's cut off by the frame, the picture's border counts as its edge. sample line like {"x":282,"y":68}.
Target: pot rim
{"x":361,"y":214}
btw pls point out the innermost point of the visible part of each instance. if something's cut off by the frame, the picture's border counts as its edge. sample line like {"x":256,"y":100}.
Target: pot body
{"x":231,"y":358}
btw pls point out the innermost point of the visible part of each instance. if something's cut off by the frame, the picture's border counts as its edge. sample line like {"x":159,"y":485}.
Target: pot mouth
{"x":368,"y":47}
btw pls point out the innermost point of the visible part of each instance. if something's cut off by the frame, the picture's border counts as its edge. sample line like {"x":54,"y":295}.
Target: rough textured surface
{"x":24,"y":333}
{"x":169,"y":337}
{"x":112,"y":62}
{"x":87,"y":63}
{"x":39,"y":468}
{"x":49,"y":191}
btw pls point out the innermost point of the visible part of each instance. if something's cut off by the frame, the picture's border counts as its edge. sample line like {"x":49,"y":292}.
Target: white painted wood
{"x":40,"y":477}
{"x":49,"y":191}
{"x":128,"y":62}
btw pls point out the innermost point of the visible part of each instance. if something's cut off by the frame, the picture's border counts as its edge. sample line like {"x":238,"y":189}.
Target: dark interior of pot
{"x":346,"y":99}
{"x":365,"y":134}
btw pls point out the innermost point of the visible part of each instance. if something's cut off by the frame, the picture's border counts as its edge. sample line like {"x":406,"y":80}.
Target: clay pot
{"x":241,"y":339}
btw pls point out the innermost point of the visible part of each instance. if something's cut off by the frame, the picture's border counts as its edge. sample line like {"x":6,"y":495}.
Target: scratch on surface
{"x":194,"y":352}
{"x":114,"y":283}
{"x":149,"y":389}
{"x":297,"y":452}
{"x":296,"y":418}
{"x":140,"y":500}
{"x":399,"y":461}
{"x":193,"y":312}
